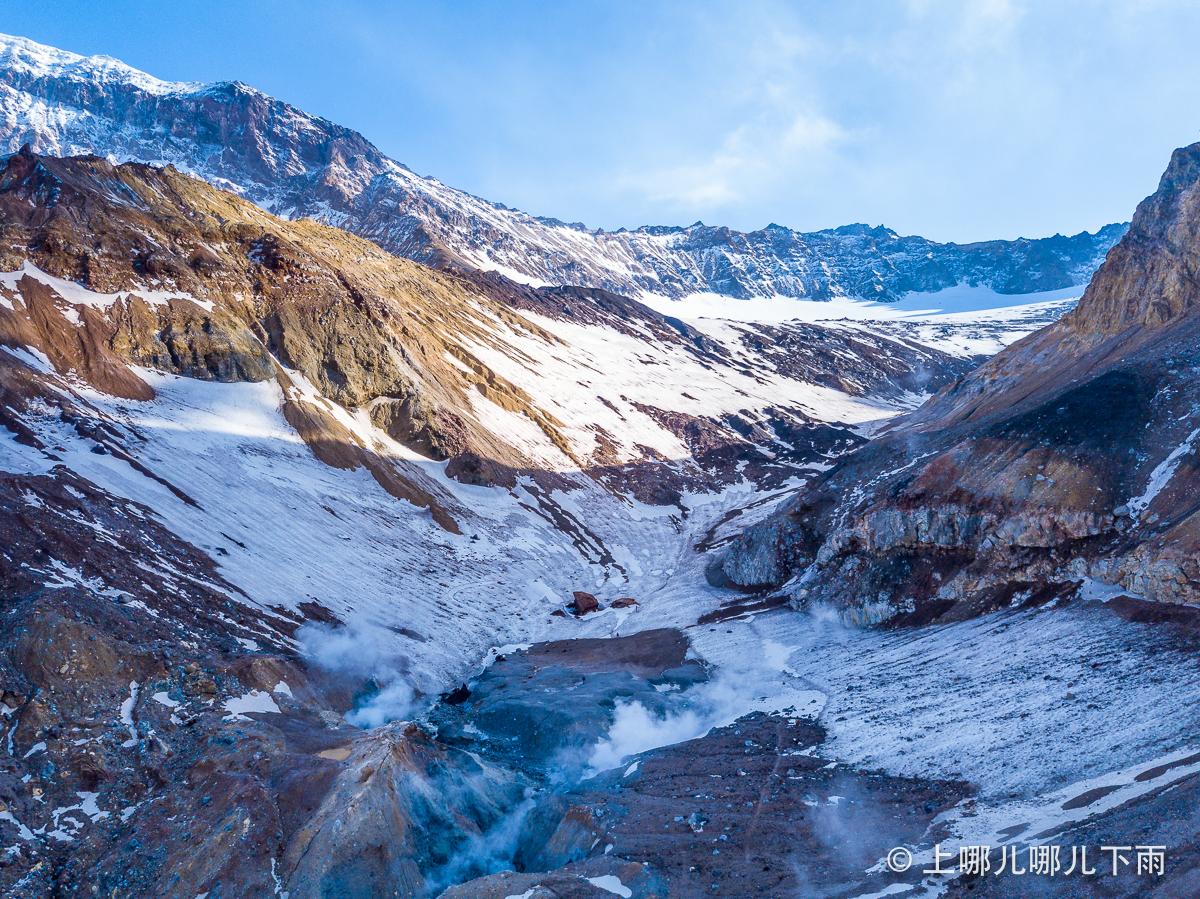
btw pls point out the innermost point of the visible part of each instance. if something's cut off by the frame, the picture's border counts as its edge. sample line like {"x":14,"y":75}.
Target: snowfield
{"x":288,"y":529}
{"x":961,"y":321}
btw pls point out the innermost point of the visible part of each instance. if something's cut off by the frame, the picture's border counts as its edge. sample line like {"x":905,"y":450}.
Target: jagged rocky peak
{"x":235,"y":136}
{"x":1146,"y":282}
{"x":1066,"y":461}
{"x":1150,"y":279}
{"x":299,"y":165}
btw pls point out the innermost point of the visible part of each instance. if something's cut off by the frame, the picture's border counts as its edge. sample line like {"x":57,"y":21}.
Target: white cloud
{"x":762,"y":88}
{"x":747,"y":161}
{"x":989,"y":23}
{"x":957,"y":119}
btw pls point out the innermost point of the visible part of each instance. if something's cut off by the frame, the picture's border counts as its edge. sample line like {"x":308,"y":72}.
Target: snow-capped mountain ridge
{"x":298,"y":165}
{"x":22,"y":56}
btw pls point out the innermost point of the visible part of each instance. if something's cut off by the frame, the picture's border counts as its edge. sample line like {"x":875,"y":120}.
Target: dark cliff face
{"x":1070,"y":455}
{"x":298,"y":165}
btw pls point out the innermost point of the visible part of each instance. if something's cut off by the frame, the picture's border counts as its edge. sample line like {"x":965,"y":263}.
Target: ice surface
{"x":164,"y":698}
{"x":987,"y":699}
{"x":980,"y":303}
{"x":961,"y":321}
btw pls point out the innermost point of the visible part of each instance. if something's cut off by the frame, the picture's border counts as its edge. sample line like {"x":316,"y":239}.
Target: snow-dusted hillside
{"x":295,"y":165}
{"x":360,"y":432}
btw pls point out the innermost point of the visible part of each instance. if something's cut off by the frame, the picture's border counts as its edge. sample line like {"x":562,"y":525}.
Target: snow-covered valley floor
{"x":1032,"y":707}
{"x":1056,"y":716}
{"x":288,"y":529}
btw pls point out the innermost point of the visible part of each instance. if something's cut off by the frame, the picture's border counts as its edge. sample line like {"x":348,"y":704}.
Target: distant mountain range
{"x":296,"y":165}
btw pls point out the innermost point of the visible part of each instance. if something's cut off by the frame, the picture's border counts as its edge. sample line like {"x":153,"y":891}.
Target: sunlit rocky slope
{"x":1068,"y":459}
{"x":225,"y":432}
{"x":297,"y":537}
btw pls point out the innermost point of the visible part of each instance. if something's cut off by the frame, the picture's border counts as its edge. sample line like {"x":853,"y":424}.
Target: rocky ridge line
{"x":297,"y":165}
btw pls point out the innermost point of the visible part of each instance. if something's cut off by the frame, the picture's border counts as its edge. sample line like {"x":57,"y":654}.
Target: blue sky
{"x":959,"y":120}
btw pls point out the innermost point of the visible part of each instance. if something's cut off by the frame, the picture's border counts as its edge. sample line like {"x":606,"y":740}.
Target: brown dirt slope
{"x":366,"y":329}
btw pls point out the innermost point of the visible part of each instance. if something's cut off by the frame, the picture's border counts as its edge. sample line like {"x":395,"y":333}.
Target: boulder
{"x":584,"y":604}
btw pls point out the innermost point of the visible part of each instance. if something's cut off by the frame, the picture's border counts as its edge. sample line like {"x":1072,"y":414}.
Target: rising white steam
{"x":365,"y":651}
{"x":769,"y":687}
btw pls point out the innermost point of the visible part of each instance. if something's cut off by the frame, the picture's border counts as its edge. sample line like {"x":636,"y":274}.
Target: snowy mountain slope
{"x":494,"y":377}
{"x":302,"y":538}
{"x":225,"y":433}
{"x":297,"y":165}
{"x":305,"y":539}
{"x":340,"y":427}
{"x":280,"y":472}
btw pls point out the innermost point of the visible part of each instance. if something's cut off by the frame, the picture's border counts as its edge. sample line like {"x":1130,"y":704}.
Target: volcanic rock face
{"x":1071,"y":455}
{"x":297,"y":165}
{"x":162,"y":739}
{"x":161,"y":733}
{"x":747,"y":809}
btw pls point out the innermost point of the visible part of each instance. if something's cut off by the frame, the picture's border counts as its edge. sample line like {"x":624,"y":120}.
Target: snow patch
{"x":164,"y":699}
{"x":240,"y":707}
{"x":76,"y":294}
{"x":126,"y":713}
{"x":1161,"y":475}
{"x":612,"y":884}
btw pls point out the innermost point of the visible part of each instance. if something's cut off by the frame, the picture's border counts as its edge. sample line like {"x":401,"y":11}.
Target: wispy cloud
{"x":957,"y":119}
{"x":773,"y":127}
{"x":749,"y":159}
{"x":970,"y":24}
